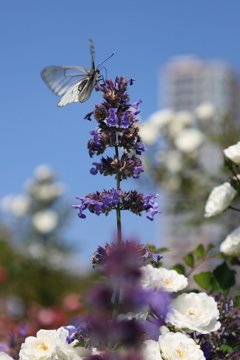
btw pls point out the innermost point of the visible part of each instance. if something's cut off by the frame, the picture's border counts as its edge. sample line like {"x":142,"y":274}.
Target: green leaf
{"x":215,"y":286}
{"x":199,"y":251}
{"x":179,"y":268}
{"x":204,"y":279}
{"x":189,"y":260}
{"x":225,"y":276}
{"x":162,"y":250}
{"x":209,"y":248}
{"x":227,"y":348}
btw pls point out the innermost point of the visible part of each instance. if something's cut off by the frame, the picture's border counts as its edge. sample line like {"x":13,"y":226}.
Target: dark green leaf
{"x":227,"y":348}
{"x":225,"y":276}
{"x":209,"y":248}
{"x":179,"y":268}
{"x":199,"y":251}
{"x":189,"y":260}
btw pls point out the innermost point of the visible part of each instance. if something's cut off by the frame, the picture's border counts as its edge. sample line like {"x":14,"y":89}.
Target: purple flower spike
{"x":112,"y":119}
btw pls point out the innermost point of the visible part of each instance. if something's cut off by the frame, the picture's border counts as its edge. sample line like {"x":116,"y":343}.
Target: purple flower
{"x":137,"y":172}
{"x":125,"y":122}
{"x":88,"y":116}
{"x":94,"y":171}
{"x":135,"y":104}
{"x":112,"y":119}
{"x":105,"y":201}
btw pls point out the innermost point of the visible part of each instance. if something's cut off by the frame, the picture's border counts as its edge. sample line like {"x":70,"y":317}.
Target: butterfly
{"x":73,"y":83}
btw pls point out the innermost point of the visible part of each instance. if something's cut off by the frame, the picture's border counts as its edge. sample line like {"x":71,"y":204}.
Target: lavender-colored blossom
{"x":99,"y":331}
{"x":105,"y":201}
{"x":135,"y":104}
{"x":228,"y":334}
{"x":137,"y":171}
{"x":125,"y":121}
{"x":112,"y":119}
{"x":130,"y":81}
{"x":88,"y":116}
{"x":123,"y":168}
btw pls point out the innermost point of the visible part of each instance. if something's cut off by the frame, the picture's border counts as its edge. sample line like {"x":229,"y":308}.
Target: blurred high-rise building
{"x":188,"y":81}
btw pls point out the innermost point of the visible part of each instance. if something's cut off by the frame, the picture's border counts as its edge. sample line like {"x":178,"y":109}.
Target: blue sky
{"x":144,"y":35}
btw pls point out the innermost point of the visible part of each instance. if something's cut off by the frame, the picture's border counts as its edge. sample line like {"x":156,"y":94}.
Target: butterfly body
{"x":73,"y":83}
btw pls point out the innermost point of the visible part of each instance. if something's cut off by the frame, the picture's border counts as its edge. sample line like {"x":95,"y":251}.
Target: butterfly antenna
{"x":105,"y":60}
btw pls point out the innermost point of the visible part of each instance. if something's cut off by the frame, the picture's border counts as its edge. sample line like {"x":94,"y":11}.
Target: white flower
{"x":4,"y":356}
{"x":181,"y":120}
{"x":175,"y":346}
{"x":173,"y":161}
{"x":219,"y":199}
{"x":148,"y":133}
{"x":231,"y":245}
{"x":161,"y":278}
{"x":189,"y":140}
{"x":68,"y":351}
{"x":151,"y":350}
{"x":161,"y":118}
{"x":44,"y":192}
{"x":194,"y":312}
{"x":41,"y":347}
{"x":45,"y":221}
{"x":44,"y":172}
{"x":18,"y":205}
{"x":205,"y":111}
{"x":233,"y":153}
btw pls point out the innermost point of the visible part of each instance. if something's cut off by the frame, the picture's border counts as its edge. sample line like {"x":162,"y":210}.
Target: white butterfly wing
{"x":73,"y":83}
{"x":87,"y":86}
{"x":64,"y":79}
{"x":70,"y":96}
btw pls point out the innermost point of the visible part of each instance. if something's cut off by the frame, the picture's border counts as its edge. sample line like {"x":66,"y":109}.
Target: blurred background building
{"x":188,"y":81}
{"x":210,"y":91}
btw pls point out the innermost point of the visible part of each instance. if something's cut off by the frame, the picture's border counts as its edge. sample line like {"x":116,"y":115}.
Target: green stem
{"x":119,"y":240}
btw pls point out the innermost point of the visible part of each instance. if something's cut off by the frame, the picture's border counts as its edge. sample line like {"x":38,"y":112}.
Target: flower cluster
{"x":105,"y":201}
{"x":125,"y":166}
{"x":117,"y":128}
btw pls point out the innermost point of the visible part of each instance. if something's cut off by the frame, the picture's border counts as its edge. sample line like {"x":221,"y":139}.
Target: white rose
{"x":180,"y":121}
{"x":151,"y":350}
{"x":18,"y":205}
{"x":41,"y":347}
{"x":44,"y":172}
{"x":148,"y":134}
{"x":174,"y":161}
{"x":68,"y":351}
{"x":219,"y":199}
{"x":231,"y":245}
{"x":189,"y":140}
{"x":205,"y":111}
{"x":175,"y":346}
{"x":45,"y":221}
{"x":163,"y":279}
{"x":195,"y":312}
{"x":4,"y":356}
{"x":161,"y":118}
{"x":233,"y":153}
